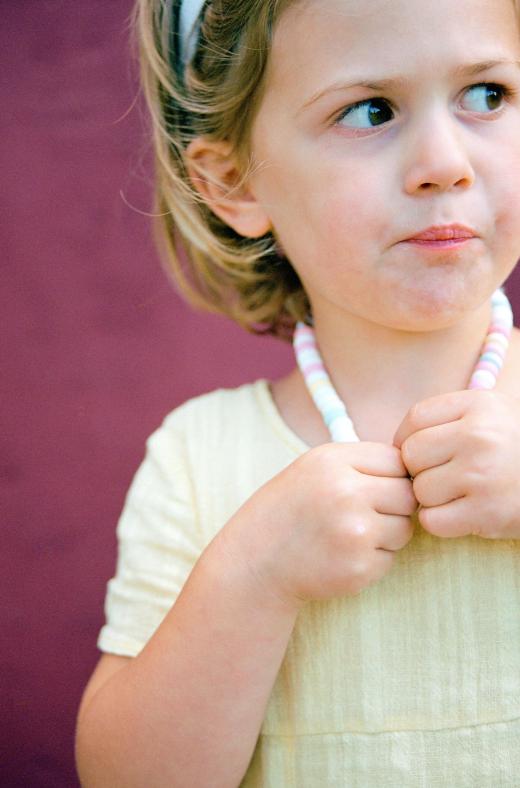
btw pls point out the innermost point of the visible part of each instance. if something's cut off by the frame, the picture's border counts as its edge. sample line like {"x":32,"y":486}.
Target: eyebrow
{"x":400,"y":81}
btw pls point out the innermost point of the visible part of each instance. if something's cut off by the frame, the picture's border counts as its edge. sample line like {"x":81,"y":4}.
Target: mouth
{"x":442,"y":237}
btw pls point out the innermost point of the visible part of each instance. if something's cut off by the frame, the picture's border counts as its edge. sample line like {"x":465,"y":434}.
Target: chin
{"x":440,"y":294}
{"x":433,"y":309}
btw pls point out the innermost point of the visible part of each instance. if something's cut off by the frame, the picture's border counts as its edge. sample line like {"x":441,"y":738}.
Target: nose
{"x":437,"y":158}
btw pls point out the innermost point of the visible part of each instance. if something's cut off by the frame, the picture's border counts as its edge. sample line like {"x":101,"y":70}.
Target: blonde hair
{"x":247,"y":279}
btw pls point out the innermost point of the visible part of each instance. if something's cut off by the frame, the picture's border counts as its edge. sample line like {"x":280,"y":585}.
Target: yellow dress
{"x":413,"y":682}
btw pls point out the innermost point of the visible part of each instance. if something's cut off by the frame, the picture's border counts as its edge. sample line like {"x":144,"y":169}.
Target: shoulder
{"x":191,"y":450}
{"x":215,"y":415}
{"x":227,"y":430}
{"x":225,"y":402}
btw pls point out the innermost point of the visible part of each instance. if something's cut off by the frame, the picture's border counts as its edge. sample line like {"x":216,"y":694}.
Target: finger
{"x":393,"y":496}
{"x":430,"y":447}
{"x":450,"y":520}
{"x":433,"y":411}
{"x":376,"y":459}
{"x":440,"y":485}
{"x":394,"y":532}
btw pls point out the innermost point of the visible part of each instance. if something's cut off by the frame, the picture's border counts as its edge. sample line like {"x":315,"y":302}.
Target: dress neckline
{"x":275,"y":418}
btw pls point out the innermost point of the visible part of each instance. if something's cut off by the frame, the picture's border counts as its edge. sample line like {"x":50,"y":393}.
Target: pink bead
{"x":314,"y":367}
{"x":499,"y":328}
{"x":494,"y":347}
{"x":340,"y":426}
{"x":307,"y":344}
{"x":304,"y":331}
{"x":488,"y":365}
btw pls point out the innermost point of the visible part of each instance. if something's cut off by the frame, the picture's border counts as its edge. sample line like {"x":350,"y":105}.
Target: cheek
{"x":503,"y":188}
{"x":350,"y":212}
{"x":507,"y":213}
{"x":505,"y":245}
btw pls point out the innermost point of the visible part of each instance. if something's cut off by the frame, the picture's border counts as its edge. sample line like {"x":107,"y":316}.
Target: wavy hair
{"x":217,"y":96}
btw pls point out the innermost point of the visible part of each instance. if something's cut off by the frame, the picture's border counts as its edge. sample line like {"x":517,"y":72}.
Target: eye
{"x":487,"y":97}
{"x":366,"y":114}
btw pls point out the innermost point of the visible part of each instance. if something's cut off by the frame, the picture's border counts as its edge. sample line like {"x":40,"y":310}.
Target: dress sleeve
{"x":159,"y":542}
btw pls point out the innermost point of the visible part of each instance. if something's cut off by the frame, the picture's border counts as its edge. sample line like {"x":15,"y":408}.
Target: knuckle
{"x":344,"y":489}
{"x":483,"y":434}
{"x":349,"y":537}
{"x":346,"y":486}
{"x":478,"y":476}
{"x":408,"y":451}
{"x":323,"y":463}
{"x":314,"y":468}
{"x":394,"y":455}
{"x":415,"y":414}
{"x":355,"y":531}
{"x":417,"y":488}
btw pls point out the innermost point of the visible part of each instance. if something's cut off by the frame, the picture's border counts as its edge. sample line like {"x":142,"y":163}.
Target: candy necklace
{"x":333,"y":410}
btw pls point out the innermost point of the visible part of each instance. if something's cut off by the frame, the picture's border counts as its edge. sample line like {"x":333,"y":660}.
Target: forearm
{"x":188,"y":709}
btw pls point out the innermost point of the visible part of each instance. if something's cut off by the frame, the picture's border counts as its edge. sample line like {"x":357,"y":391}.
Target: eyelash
{"x":507,"y":92}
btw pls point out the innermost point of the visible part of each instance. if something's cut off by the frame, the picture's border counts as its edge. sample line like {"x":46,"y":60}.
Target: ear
{"x":214,"y":173}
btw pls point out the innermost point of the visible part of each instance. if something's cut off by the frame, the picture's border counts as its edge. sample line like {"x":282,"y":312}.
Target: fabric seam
{"x":400,"y":730}
{"x":271,"y":415}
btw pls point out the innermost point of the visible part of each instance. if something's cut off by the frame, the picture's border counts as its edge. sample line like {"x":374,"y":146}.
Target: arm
{"x":188,"y":709}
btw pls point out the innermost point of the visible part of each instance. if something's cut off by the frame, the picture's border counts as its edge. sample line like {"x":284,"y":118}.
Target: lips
{"x":448,"y":232}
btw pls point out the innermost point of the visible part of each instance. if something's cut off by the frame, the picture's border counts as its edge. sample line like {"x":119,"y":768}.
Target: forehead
{"x":317,"y":39}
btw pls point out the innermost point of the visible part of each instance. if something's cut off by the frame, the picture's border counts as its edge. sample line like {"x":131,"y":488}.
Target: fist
{"x":462,"y":451}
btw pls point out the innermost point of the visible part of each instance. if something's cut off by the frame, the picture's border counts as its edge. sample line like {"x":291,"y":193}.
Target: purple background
{"x":98,"y":349}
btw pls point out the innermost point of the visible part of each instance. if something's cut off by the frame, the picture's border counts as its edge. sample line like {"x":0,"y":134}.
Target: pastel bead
{"x":488,"y":366}
{"x":317,"y":366}
{"x":482,"y":378}
{"x":500,"y":328}
{"x":493,"y":347}
{"x":492,"y":358}
{"x":333,"y":410}
{"x":500,"y":339}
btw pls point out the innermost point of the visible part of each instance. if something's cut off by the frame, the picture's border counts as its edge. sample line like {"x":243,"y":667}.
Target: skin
{"x":342,"y":192}
{"x":399,"y":328}
{"x":345,"y":194}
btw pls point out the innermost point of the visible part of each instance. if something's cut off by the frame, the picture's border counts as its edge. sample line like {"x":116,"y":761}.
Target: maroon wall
{"x":98,"y":349}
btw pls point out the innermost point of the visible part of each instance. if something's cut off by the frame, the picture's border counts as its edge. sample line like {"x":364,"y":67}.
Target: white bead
{"x":326,"y":398}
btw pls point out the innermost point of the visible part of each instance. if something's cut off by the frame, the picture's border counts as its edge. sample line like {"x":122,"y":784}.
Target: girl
{"x":304,"y":596}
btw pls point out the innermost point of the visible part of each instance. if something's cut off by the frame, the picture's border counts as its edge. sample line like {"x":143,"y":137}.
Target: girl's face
{"x":349,"y":170}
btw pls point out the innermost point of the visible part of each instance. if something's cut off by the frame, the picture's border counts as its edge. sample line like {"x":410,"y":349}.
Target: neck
{"x":376,"y":369}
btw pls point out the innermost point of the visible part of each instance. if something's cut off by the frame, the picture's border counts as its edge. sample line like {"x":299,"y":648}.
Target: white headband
{"x":189,"y":31}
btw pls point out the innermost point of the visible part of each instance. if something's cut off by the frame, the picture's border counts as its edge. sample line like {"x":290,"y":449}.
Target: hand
{"x":329,"y":524}
{"x":462,"y":451}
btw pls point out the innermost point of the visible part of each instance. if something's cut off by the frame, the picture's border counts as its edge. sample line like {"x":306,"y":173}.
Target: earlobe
{"x":213,"y":172}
